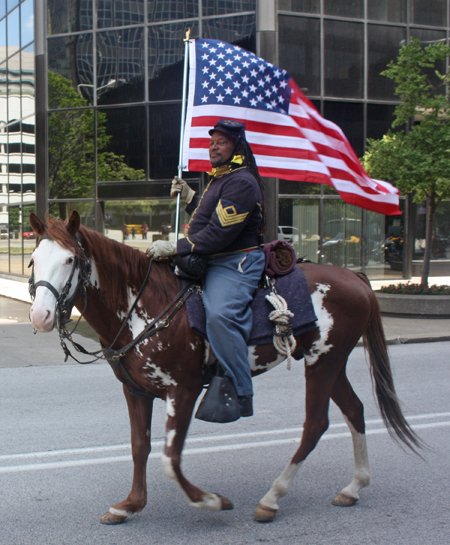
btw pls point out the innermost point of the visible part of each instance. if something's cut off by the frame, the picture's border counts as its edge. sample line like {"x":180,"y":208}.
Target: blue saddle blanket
{"x":292,"y":287}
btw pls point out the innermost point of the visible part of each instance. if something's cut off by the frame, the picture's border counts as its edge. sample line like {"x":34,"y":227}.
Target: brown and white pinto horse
{"x":170,"y":364}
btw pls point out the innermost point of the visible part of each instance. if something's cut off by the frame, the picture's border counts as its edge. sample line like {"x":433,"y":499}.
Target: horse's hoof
{"x":264,"y":514}
{"x":344,"y":500}
{"x":113,"y":518}
{"x":226,"y":503}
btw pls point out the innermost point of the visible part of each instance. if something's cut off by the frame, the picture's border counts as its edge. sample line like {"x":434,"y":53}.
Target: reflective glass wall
{"x":114,"y":105}
{"x":336,"y":51}
{"x":17,"y":141}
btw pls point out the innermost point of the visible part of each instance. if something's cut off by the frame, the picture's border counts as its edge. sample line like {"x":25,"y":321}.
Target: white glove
{"x":180,"y":186}
{"x":161,"y":249}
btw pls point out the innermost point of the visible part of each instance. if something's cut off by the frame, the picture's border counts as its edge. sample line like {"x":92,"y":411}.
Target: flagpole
{"x":183,"y":120}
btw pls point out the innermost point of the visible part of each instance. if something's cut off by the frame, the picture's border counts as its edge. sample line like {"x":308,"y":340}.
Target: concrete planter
{"x":421,"y":306}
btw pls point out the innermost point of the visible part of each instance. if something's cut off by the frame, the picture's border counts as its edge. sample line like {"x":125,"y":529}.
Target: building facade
{"x":94,"y":122}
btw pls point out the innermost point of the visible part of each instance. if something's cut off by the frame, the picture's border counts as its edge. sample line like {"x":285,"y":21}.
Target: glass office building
{"x":105,"y":89}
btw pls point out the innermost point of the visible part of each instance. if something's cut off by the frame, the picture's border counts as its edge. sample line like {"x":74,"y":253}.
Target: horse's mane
{"x":119,"y":267}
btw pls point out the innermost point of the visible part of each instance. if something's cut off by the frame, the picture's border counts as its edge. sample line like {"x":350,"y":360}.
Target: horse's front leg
{"x":140,"y":412}
{"x":180,"y":405}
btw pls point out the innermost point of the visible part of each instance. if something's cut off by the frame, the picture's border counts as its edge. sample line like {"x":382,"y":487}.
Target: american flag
{"x":289,"y":138}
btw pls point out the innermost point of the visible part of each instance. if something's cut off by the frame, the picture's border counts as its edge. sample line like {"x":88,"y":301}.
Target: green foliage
{"x":417,"y":160}
{"x":72,"y":145}
{"x":416,"y":289}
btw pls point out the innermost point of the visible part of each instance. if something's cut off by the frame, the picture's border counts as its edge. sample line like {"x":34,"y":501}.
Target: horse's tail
{"x":380,"y":369}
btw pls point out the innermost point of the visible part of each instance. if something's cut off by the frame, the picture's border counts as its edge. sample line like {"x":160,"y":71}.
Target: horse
{"x":170,"y":365}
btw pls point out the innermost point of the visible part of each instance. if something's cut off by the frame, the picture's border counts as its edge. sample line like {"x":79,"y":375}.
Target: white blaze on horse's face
{"x":53,"y":264}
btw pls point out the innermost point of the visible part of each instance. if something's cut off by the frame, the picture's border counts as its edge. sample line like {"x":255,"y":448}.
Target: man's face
{"x":221,"y":147}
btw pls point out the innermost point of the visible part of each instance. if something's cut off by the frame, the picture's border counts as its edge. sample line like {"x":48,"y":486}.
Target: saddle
{"x":292,"y":287}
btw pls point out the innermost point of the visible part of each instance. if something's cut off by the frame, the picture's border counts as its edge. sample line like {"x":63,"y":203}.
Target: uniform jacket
{"x":226,"y":218}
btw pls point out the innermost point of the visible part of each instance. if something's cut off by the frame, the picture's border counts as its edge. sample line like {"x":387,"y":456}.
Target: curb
{"x":413,"y":340}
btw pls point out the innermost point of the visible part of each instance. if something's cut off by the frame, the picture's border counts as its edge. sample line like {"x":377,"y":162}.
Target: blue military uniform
{"x":225,"y":223}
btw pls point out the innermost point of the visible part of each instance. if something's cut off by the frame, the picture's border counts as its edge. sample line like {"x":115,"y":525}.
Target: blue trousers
{"x":230,"y":283}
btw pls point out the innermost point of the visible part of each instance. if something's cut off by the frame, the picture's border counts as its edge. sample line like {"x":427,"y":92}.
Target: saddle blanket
{"x":292,"y":287}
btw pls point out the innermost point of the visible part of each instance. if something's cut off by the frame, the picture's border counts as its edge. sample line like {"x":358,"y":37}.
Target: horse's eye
{"x":31,"y":263}
{"x":70,"y":261}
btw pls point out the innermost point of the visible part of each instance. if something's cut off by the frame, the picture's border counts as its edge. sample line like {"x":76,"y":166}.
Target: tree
{"x":417,"y":160}
{"x":72,"y":146}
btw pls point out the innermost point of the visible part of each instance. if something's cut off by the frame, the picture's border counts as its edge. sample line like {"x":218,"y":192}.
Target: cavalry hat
{"x":230,"y":127}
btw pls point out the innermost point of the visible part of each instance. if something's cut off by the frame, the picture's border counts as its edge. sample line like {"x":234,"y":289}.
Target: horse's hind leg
{"x":353,"y":411}
{"x":140,"y":412}
{"x":180,"y":405}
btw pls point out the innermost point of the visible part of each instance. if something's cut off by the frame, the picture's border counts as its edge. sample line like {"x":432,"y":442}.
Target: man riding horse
{"x":226,"y":226}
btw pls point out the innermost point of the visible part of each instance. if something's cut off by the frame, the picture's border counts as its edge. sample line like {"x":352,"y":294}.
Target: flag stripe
{"x":289,"y":138}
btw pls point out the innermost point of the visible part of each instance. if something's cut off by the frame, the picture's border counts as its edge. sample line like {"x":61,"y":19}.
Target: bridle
{"x":113,"y":356}
{"x":65,"y":304}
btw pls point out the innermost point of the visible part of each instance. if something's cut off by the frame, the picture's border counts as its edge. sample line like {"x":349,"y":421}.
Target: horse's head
{"x":56,"y":272}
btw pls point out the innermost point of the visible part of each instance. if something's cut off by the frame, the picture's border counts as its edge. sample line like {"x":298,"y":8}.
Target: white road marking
{"x":201,"y":450}
{"x":202,"y":439}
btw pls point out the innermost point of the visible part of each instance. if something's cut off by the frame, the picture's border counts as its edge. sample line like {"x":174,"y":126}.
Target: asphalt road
{"x":65,"y":458}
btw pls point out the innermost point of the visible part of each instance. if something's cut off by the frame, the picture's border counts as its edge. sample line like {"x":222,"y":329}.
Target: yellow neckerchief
{"x":218,"y":172}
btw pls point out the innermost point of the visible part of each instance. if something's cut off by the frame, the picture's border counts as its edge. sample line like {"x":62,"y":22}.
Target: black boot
{"x":220,"y":402}
{"x":245,"y":405}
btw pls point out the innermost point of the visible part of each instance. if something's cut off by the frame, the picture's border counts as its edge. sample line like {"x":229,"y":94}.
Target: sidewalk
{"x":397,"y":330}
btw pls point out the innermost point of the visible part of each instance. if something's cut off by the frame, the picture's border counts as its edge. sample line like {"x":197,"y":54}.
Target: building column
{"x":41,"y":102}
{"x":267,"y":48}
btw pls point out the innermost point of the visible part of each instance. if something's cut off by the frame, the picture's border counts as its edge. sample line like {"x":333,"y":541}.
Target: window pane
{"x":236,"y":30}
{"x":164,"y":140}
{"x":121,"y":144}
{"x":349,"y":117}
{"x":393,"y":11}
{"x":299,"y":51}
{"x":165,"y":60}
{"x":429,"y":12}
{"x":71,"y":154}
{"x":138,"y":224}
{"x":384,"y":45}
{"x":3,"y":52}
{"x":299,"y":225}
{"x":2,"y":8}
{"x":27,"y":78}
{"x":221,"y":7}
{"x":301,"y":6}
{"x":27,"y":22}
{"x":342,"y":234}
{"x":111,"y":13}
{"x":68,"y":16}
{"x":12,"y":23}
{"x":440,"y":248}
{"x":164,"y":10}
{"x":10,"y":4}
{"x":344,"y":8}
{"x":164,"y":143}
{"x":78,"y":75}
{"x":344,"y":49}
{"x":62,"y":210}
{"x":120,"y":66}
{"x":379,"y":120}
{"x":13,"y":80}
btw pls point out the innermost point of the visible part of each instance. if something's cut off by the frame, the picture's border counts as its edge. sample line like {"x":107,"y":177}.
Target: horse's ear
{"x":37,"y":225}
{"x":74,"y":223}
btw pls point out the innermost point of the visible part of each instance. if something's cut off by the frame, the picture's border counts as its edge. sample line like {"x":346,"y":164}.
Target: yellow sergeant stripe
{"x":229,"y":216}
